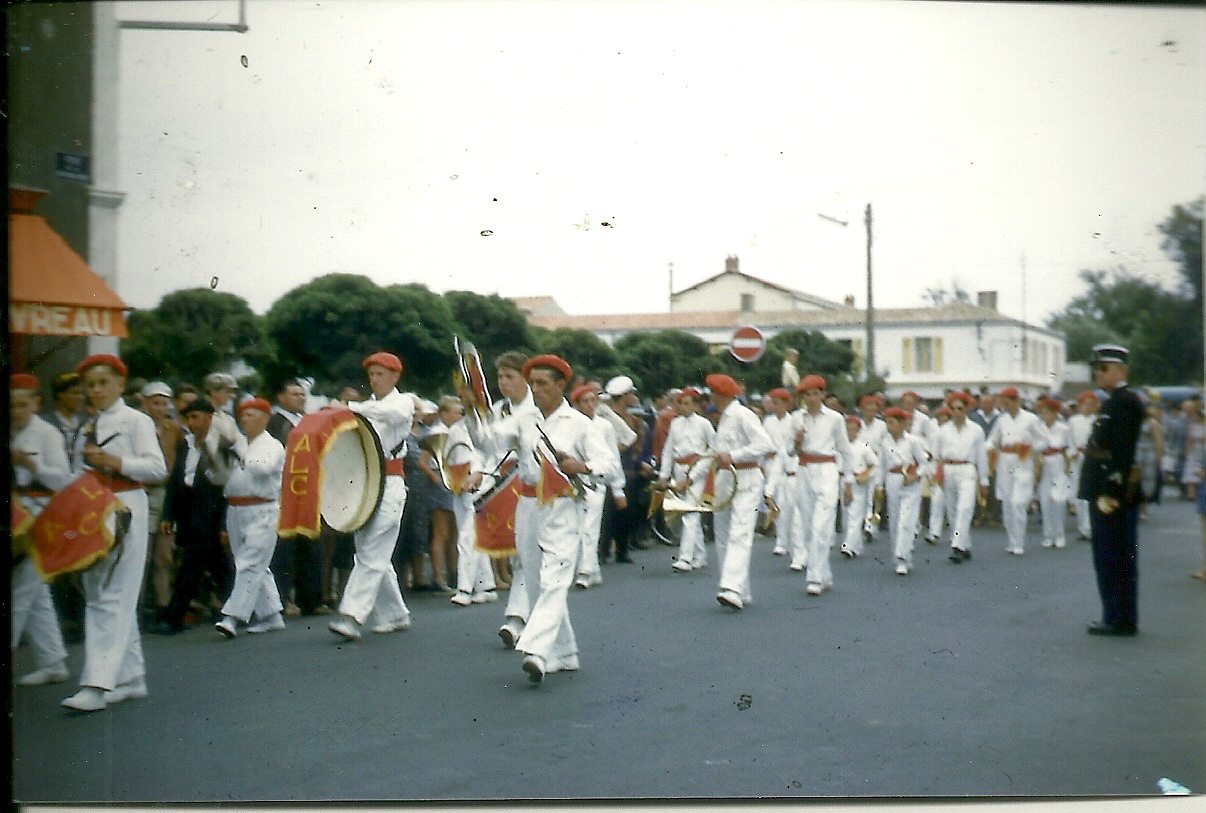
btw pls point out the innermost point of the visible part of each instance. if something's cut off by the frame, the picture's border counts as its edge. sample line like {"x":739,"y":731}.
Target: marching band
{"x":530,"y":474}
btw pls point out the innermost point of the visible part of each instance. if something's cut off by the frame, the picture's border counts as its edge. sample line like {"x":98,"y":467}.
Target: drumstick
{"x":106,"y":440}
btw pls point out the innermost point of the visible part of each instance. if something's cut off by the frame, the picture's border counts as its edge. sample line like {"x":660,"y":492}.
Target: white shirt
{"x":901,"y":453}
{"x":568,"y":430}
{"x":608,"y":433}
{"x":688,"y":435}
{"x":739,"y":433}
{"x":625,"y":437}
{"x":824,"y":434}
{"x":953,"y":443}
{"x":390,"y":417}
{"x":1009,"y":430}
{"x":130,"y":435}
{"x":259,"y":472}
{"x":44,"y":444}
{"x":1080,"y":426}
{"x":1057,"y":436}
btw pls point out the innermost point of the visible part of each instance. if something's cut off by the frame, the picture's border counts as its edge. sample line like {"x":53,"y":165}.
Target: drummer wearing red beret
{"x":824,"y":458}
{"x":372,"y":596}
{"x":559,"y":451}
{"x":121,"y":445}
{"x":39,"y":468}
{"x":739,"y":447}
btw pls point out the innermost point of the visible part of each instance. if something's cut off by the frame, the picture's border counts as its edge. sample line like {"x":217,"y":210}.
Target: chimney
{"x":730,"y":264}
{"x":849,"y":300}
{"x":987,"y":299}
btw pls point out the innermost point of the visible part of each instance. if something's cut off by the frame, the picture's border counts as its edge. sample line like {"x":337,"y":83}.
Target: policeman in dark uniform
{"x":1110,"y":484}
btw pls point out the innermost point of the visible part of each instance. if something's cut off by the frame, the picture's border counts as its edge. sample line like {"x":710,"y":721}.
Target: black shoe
{"x":624,"y":560}
{"x":164,"y":628}
{"x":966,"y":554}
{"x":1102,"y":628}
{"x":957,"y":556}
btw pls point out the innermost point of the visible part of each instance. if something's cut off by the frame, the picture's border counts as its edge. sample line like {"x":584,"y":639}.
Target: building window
{"x":922,"y":354}
{"x":747,"y":302}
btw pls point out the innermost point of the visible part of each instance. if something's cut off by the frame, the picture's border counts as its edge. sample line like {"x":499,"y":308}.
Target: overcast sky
{"x":575,"y":149}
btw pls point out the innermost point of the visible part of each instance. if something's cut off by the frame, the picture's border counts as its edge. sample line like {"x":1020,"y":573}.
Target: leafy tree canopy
{"x":589,"y":355}
{"x":665,"y":359}
{"x":494,"y":324}
{"x":193,"y":332}
{"x":1183,"y":242}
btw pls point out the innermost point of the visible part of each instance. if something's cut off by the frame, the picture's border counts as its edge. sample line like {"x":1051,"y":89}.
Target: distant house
{"x":929,"y":350}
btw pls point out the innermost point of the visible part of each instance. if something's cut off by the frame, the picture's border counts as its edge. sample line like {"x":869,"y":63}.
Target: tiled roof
{"x":810,"y":298}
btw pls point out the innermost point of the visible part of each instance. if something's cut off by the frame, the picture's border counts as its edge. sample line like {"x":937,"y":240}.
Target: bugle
{"x":451,"y":475}
{"x":470,"y":381}
{"x":577,"y":485}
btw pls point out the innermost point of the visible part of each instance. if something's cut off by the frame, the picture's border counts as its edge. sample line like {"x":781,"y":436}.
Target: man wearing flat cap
{"x":1110,"y":485}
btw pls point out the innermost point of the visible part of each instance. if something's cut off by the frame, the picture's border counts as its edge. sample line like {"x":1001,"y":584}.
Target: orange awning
{"x":51,"y":290}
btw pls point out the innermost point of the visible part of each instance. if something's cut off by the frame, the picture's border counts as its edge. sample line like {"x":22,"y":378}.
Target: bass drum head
{"x":353,"y":478}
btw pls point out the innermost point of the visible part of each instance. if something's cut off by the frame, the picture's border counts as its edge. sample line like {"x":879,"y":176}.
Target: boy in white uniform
{"x":1015,"y":437}
{"x":1052,"y":474}
{"x":862,"y":479}
{"x":902,"y":461}
{"x":688,"y":439}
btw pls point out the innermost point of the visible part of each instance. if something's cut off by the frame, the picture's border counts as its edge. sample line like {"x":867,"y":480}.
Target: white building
{"x":929,"y":350}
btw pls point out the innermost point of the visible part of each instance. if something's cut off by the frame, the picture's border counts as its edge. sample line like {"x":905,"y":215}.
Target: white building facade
{"x":928,"y":350}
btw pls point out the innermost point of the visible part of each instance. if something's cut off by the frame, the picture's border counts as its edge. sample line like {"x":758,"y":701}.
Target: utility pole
{"x":670,"y":288}
{"x":869,"y":366}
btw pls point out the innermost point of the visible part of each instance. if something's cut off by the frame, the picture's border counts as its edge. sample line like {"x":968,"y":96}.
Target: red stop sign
{"x":747,"y":344}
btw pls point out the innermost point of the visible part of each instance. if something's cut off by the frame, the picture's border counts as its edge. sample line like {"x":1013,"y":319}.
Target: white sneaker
{"x":134,"y":690}
{"x":727,"y":598}
{"x":815,"y":588}
{"x":484,"y":597}
{"x":1014,"y":551}
{"x":902,"y":569}
{"x":55,"y":673}
{"x":89,"y":698}
{"x":682,"y":566}
{"x":345,"y":627}
{"x":582,"y":582}
{"x":227,"y":627}
{"x":392,"y":626}
{"x":779,"y":551}
{"x":1048,"y":543}
{"x":797,"y":567}
{"x":1060,"y":542}
{"x":273,"y":623}
{"x":535,"y":667}
{"x":461,"y":599}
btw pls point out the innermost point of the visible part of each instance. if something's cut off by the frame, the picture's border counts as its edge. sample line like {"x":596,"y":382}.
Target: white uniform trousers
{"x":960,"y":484}
{"x":786,"y":537}
{"x":691,"y":544}
{"x":112,"y":644}
{"x":1015,"y":490}
{"x":734,"y":528}
{"x":1081,"y":506}
{"x":937,"y":509}
{"x":1053,"y":498}
{"x":549,"y":554}
{"x":590,"y":511}
{"x":252,"y":533}
{"x":519,"y":602}
{"x":33,"y":615}
{"x":372,"y":590}
{"x":856,"y":517}
{"x":473,"y":571}
{"x":816,"y":501}
{"x":904,"y":507}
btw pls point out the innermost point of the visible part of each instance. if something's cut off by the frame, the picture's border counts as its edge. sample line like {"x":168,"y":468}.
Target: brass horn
{"x":436,"y":444}
{"x":470,"y":382}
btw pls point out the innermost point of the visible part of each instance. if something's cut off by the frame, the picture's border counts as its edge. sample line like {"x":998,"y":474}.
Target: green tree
{"x":665,"y":359}
{"x":1161,"y":328}
{"x":492,"y":323}
{"x":818,"y":354}
{"x":1183,"y":242}
{"x":587,"y":354}
{"x":326,"y":327}
{"x":193,"y":332}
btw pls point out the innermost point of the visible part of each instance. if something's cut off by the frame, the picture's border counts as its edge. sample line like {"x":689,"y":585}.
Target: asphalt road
{"x":955,"y":681}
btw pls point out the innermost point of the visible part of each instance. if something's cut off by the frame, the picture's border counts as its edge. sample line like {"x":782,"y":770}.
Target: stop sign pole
{"x":747,"y":344}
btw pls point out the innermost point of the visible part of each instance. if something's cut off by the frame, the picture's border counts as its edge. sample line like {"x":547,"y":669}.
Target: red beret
{"x":255,"y":403}
{"x":896,"y":412}
{"x":23,"y":381}
{"x":810,"y":382}
{"x":107,"y":359}
{"x":387,"y":360}
{"x":689,"y":392}
{"x":854,"y":419}
{"x":549,"y":360}
{"x":580,"y":390}
{"x":1087,"y":395}
{"x":869,"y":398}
{"x":910,"y":394}
{"x":780,"y":393}
{"x":722,"y":384}
{"x":1049,"y":403}
{"x":965,"y":397}
{"x":1008,"y":392}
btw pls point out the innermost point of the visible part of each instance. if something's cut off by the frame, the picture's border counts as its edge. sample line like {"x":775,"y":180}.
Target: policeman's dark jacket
{"x":1110,"y":453}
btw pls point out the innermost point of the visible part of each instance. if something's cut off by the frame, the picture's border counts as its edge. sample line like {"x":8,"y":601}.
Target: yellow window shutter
{"x":906,"y":355}
{"x":937,"y":354}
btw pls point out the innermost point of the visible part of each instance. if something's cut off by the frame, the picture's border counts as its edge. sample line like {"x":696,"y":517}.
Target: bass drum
{"x":353,"y":477}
